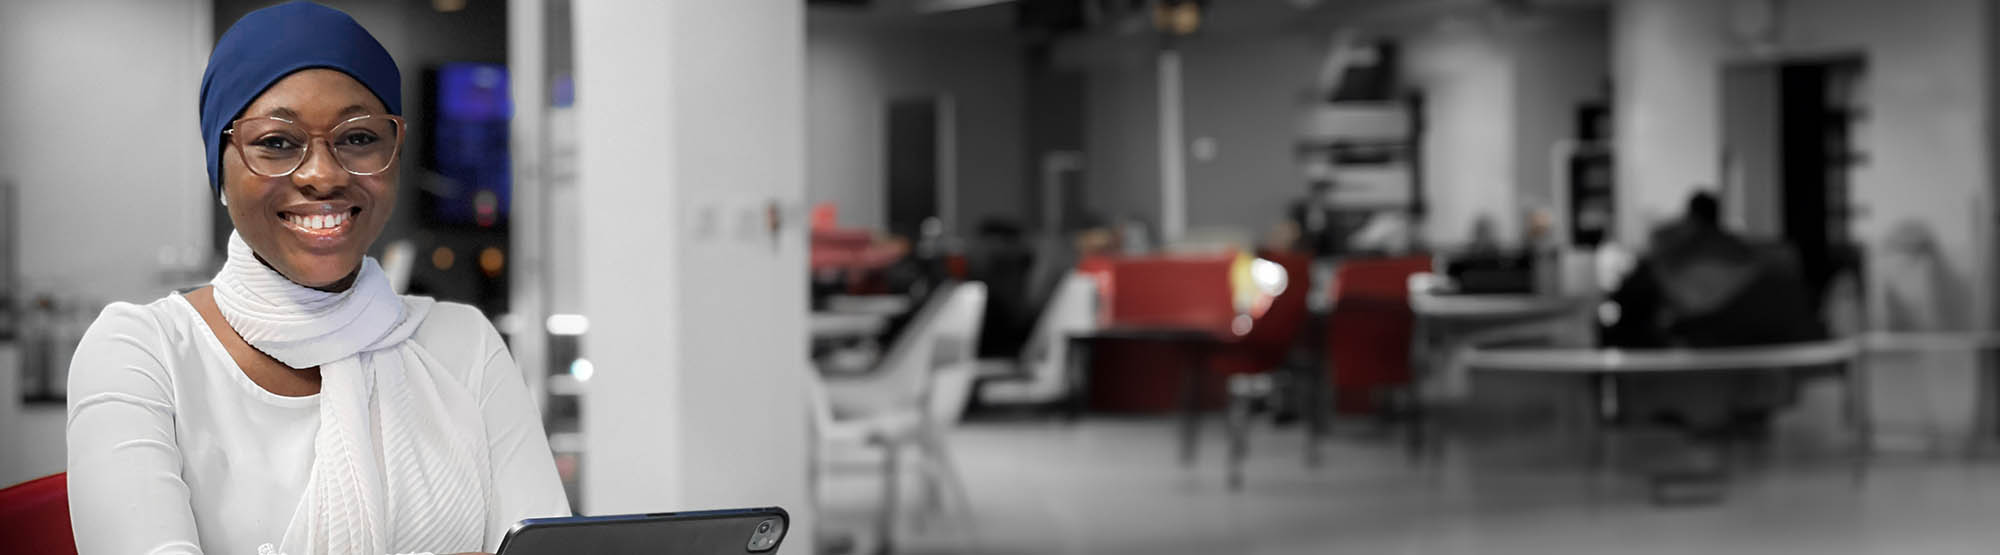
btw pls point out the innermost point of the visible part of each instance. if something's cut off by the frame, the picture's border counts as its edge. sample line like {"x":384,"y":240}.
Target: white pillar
{"x":1173,"y":167}
{"x":691,"y":130}
{"x":631,"y":418}
{"x":527,"y":62}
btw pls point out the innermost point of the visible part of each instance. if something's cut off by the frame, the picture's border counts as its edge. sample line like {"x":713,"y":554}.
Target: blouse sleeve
{"x":525,"y":484}
{"x":125,"y":489}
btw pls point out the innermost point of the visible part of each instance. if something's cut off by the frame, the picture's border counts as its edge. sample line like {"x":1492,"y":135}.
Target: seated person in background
{"x":1322,"y":228}
{"x":916,"y":275}
{"x":1701,"y":286}
{"x":1001,"y":257}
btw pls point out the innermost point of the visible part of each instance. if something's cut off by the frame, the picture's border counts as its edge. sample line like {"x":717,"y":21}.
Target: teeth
{"x":324,"y":221}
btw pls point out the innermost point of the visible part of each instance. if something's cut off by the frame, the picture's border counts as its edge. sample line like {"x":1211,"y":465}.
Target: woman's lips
{"x":321,"y":230}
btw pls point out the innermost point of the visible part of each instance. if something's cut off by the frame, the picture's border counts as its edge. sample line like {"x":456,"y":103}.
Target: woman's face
{"x":271,"y":212}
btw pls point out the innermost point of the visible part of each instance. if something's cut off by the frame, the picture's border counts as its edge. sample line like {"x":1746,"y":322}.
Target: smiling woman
{"x":298,"y":405}
{"x":311,"y":213}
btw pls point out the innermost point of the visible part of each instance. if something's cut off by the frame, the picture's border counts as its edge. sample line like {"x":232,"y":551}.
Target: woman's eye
{"x":358,"y":139}
{"x":276,"y":143}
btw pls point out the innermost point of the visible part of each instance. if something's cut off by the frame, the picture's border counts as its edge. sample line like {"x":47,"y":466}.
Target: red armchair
{"x":1247,"y":364}
{"x":1158,"y":291}
{"x":34,"y":517}
{"x":1368,"y":332}
{"x":1273,"y":334}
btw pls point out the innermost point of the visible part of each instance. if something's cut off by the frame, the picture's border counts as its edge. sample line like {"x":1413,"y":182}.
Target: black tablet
{"x":731,"y":532}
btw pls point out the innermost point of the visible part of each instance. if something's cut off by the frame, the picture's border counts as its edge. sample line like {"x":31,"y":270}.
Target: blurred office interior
{"x":1122,"y":276}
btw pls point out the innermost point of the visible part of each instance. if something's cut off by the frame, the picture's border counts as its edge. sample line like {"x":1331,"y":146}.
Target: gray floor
{"x":1113,"y":486}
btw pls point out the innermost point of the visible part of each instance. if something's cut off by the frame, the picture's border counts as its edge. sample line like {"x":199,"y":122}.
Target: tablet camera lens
{"x":766,"y":536}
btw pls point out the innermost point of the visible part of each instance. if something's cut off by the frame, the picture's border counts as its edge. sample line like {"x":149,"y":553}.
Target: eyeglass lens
{"x":362,"y":146}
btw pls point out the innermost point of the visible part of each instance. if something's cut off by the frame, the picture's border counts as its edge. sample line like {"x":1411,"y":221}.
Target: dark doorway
{"x":913,"y":164}
{"x":1817,"y":156}
{"x":1790,"y":154}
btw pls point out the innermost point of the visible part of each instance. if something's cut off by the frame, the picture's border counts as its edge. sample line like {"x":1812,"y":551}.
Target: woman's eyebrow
{"x":353,"y":110}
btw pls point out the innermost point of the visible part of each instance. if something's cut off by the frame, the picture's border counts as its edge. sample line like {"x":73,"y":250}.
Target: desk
{"x":1197,"y":343}
{"x":1602,"y":364}
{"x":841,"y":325}
{"x":1491,"y":307}
{"x":882,"y":305}
{"x":1447,"y":324}
{"x":1626,"y":361}
{"x":1984,"y":344}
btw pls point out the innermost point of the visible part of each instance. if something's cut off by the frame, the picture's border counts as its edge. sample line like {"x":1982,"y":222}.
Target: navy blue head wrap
{"x":274,"y":42}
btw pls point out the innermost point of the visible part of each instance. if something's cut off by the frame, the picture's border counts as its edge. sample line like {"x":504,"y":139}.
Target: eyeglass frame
{"x":402,"y":130}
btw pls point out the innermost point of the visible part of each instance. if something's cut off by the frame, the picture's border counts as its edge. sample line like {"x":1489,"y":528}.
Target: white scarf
{"x":398,"y":462}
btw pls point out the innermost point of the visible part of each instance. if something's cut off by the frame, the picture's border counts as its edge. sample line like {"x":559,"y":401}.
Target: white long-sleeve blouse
{"x":173,"y":450}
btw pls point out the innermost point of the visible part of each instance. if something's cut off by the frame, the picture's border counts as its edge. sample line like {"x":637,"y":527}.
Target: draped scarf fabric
{"x":398,"y":462}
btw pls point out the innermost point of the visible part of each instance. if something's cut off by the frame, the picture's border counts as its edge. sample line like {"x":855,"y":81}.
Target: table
{"x":1197,"y":341}
{"x":1984,"y":343}
{"x":884,"y":305}
{"x":1486,"y":307}
{"x":1625,"y":361}
{"x":1447,"y":324}
{"x":1600,"y":364}
{"x":1850,"y":353}
{"x":843,"y":325}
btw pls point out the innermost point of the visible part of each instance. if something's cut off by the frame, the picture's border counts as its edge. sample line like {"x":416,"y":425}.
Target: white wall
{"x":1666,"y":57}
{"x":101,"y":141}
{"x":1254,"y":174}
{"x":690,"y":122}
{"x":855,"y":64}
{"x":1925,"y":132}
{"x":1927,"y":128}
{"x":1497,"y":96}
{"x":1467,"y":76}
{"x":1560,"y":60}
{"x":1121,"y":173}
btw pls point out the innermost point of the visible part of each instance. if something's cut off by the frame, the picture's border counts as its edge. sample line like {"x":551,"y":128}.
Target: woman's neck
{"x":337,"y":286}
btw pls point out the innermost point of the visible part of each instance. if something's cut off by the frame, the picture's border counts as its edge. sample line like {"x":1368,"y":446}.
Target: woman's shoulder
{"x":133,"y":345}
{"x":164,"y":321}
{"x":447,"y":321}
{"x":457,"y":334}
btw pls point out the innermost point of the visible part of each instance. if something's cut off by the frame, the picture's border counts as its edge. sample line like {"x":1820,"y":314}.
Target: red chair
{"x":34,"y":517}
{"x":1098,"y":269}
{"x":1368,"y":332}
{"x":1247,"y":365}
{"x":1133,"y":376}
{"x":1273,"y":334}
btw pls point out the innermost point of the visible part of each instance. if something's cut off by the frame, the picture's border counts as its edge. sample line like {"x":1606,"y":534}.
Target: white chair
{"x":913,"y":396}
{"x":954,"y":366}
{"x":899,"y":379}
{"x":885,"y":432}
{"x":1040,"y":375}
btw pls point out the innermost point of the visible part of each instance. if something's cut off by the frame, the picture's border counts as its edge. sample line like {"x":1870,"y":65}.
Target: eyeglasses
{"x":276,"y":147}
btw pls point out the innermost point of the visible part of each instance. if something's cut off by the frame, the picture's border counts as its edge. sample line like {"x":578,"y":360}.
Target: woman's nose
{"x":320,"y":171}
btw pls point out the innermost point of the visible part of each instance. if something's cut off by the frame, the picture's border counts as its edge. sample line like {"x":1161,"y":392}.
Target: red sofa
{"x":34,"y":517}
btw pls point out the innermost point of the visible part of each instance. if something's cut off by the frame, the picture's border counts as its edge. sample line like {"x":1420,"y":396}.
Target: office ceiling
{"x":1221,"y":17}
